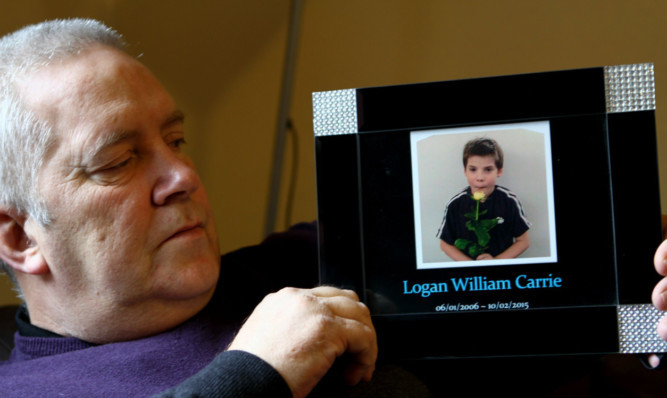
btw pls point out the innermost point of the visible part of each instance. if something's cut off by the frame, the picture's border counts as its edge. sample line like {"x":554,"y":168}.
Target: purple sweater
{"x":60,"y":366}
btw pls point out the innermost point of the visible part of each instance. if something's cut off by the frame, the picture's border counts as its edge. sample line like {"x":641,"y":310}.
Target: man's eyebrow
{"x":112,"y":138}
{"x":116,"y":136}
{"x":176,"y":116}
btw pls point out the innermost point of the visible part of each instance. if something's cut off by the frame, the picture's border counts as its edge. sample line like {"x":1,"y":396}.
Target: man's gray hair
{"x":24,"y":139}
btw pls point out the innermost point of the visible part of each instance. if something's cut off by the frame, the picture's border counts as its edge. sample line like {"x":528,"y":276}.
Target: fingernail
{"x":662,"y":329}
{"x":654,"y":361}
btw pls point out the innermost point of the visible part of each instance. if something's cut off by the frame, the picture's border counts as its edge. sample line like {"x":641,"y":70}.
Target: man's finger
{"x":659,"y":295}
{"x":330,"y":291}
{"x":662,"y":329}
{"x":361,"y":351}
{"x":348,"y":308}
{"x":660,"y":259}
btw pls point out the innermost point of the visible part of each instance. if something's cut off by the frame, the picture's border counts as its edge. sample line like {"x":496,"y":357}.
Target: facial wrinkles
{"x":106,"y":245}
{"x":69,"y":154}
{"x":90,"y":138}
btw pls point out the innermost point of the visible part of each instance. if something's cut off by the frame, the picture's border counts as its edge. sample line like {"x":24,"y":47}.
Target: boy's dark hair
{"x":483,"y":147}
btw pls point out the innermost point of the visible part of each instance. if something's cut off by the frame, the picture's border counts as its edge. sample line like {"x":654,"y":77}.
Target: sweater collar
{"x":26,"y":328}
{"x":26,"y":348}
{"x":34,"y":342}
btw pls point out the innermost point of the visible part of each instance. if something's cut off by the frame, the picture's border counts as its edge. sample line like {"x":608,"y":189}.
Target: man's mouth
{"x":187,"y":230}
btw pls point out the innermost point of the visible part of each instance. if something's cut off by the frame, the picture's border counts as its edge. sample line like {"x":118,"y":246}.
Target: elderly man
{"x":107,"y":230}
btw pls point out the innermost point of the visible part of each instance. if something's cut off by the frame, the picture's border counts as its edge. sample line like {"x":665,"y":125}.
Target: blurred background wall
{"x":222,"y":60}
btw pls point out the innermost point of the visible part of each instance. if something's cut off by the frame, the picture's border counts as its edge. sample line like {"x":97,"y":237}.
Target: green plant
{"x":481,"y":228}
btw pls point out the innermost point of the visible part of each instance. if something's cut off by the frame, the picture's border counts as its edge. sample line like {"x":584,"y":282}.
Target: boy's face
{"x":481,"y":172}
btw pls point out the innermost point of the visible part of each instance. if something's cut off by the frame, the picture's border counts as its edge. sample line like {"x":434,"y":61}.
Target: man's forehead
{"x":97,"y":72}
{"x":93,"y":100}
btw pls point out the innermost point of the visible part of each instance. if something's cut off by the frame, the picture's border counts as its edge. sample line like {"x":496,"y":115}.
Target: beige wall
{"x":222,"y":61}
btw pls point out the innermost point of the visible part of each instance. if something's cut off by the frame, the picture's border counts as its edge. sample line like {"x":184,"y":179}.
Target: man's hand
{"x":302,"y":332}
{"x":659,"y":296}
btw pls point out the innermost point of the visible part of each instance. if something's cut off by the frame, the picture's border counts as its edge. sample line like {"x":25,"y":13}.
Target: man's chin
{"x":188,"y":281}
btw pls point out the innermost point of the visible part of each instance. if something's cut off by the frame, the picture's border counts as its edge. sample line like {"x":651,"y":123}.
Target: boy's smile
{"x":482,"y":172}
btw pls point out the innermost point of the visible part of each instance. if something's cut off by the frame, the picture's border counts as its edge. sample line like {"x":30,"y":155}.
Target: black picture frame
{"x":585,"y":289}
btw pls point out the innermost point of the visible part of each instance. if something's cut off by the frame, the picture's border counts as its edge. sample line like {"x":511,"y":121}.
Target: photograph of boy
{"x":485,"y":221}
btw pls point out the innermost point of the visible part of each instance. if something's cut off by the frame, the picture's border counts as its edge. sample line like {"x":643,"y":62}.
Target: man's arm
{"x":287,"y":345}
{"x":300,"y":333}
{"x":232,"y":374}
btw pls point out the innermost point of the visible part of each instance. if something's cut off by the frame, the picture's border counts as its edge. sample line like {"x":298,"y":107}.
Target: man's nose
{"x":177,"y":179}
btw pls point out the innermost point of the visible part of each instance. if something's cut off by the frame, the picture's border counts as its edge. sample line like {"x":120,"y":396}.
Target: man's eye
{"x":119,"y":165}
{"x":178,"y":143}
{"x":115,"y":172}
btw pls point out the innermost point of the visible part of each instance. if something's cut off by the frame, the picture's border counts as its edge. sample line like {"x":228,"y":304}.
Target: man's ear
{"x":17,"y":248}
{"x":500,"y":172}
